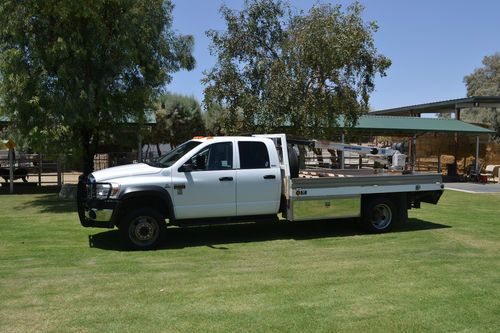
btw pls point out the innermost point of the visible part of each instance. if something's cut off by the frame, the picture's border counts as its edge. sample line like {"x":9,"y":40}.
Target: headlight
{"x":105,"y":191}
{"x":102,"y":191}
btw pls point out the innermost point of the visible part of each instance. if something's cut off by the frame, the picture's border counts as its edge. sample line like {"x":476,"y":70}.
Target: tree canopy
{"x":73,"y":70}
{"x":277,"y":70}
{"x":216,"y":119}
{"x":485,"y":81}
{"x":178,"y":118}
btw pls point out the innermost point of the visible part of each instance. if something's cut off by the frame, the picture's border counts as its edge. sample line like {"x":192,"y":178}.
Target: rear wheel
{"x":380,"y":214}
{"x":143,"y":228}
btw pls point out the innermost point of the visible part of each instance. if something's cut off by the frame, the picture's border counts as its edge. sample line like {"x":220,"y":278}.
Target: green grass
{"x":438,"y":273}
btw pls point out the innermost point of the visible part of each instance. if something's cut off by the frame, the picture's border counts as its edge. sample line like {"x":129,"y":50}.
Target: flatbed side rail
{"x":328,"y":182}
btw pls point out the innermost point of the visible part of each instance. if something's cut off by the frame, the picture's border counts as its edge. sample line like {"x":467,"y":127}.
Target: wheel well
{"x":134,"y":202}
{"x":399,"y":199}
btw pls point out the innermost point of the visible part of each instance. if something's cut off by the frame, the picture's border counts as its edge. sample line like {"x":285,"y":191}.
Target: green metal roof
{"x":150,"y":119}
{"x":447,"y":106}
{"x":390,"y":124}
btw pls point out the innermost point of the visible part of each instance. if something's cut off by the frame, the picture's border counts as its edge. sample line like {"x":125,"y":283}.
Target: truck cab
{"x":225,"y":177}
{"x":204,"y":178}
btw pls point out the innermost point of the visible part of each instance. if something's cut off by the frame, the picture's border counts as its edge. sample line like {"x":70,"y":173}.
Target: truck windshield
{"x":173,"y":156}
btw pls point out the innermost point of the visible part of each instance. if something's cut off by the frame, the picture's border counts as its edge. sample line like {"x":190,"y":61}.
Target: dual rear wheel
{"x":381,"y":214}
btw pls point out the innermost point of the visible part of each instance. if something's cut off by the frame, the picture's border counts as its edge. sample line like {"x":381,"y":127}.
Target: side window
{"x":218,"y":156}
{"x":253,"y":155}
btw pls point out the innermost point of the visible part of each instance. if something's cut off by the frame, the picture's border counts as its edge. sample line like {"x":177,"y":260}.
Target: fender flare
{"x":138,"y":191}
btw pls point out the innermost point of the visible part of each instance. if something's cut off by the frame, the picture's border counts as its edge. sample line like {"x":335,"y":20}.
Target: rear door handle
{"x":226,"y":179}
{"x":269,"y":177}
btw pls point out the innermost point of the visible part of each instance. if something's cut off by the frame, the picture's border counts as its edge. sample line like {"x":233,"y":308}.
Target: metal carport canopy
{"x":149,"y":119}
{"x":391,"y":125}
{"x":449,"y":106}
{"x":414,"y":125}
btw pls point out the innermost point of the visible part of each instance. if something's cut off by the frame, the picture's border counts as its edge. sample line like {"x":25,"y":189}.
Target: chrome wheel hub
{"x":381,"y":216}
{"x":144,"y":230}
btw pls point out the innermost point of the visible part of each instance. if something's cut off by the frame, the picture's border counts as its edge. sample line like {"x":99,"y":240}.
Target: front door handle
{"x":269,"y":177}
{"x":179,"y":186}
{"x":226,"y":179}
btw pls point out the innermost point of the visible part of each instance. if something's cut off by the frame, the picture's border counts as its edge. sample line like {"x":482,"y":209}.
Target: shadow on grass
{"x":28,"y":188}
{"x":50,"y":203}
{"x":216,"y":236}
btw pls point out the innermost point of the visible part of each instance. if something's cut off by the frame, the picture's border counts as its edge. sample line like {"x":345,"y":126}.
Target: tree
{"x":216,"y":118}
{"x":485,"y":81}
{"x":178,"y":118}
{"x":73,"y":71}
{"x":293,"y":72}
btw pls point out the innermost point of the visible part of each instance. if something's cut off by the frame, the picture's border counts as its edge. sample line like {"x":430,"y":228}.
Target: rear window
{"x":253,"y":155}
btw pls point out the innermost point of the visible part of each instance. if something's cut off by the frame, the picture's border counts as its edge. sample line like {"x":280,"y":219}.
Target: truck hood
{"x":138,"y":169}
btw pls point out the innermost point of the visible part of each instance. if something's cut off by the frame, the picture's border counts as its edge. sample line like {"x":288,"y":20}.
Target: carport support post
{"x":440,"y":167}
{"x":342,"y":162}
{"x":40,"y":162}
{"x":139,"y":148}
{"x":59,"y":172}
{"x":476,"y":164}
{"x":413,"y":152}
{"x":11,"y":170}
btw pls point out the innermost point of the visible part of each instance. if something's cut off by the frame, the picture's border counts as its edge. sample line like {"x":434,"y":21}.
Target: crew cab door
{"x":207,"y":187}
{"x":258,"y":187}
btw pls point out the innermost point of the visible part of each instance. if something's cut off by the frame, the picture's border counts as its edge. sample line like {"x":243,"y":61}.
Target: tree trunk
{"x":88,"y":152}
{"x":158,"y":149}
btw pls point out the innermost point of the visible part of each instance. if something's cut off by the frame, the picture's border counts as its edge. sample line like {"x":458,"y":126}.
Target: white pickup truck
{"x":240,"y":178}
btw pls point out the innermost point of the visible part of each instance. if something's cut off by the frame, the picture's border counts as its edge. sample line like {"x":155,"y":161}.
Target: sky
{"x":432,"y":44}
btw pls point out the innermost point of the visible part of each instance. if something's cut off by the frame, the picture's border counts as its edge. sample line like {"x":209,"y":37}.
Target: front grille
{"x":91,"y":187}
{"x":91,"y":191}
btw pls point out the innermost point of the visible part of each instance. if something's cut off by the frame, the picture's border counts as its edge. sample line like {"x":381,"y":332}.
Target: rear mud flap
{"x":431,"y":197}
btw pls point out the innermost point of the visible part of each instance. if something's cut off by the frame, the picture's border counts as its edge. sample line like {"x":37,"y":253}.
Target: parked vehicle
{"x":215,"y":179}
{"x":20,"y":171}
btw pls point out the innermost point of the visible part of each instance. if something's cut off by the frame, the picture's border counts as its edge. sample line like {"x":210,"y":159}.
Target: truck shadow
{"x":49,"y":203}
{"x":216,"y":236}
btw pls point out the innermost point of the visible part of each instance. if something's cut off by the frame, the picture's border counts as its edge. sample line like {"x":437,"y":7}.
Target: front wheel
{"x":143,"y":228}
{"x":379,"y":214}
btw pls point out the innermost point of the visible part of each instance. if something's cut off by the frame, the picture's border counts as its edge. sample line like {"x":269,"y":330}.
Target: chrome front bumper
{"x":94,"y":213}
{"x":99,"y":215}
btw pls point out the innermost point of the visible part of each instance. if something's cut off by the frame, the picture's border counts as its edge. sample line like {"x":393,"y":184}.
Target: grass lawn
{"x":438,"y":273}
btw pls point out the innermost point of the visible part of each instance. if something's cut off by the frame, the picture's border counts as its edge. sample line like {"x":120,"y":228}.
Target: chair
{"x":474,"y":175}
{"x":496,"y":174}
{"x":490,"y":171}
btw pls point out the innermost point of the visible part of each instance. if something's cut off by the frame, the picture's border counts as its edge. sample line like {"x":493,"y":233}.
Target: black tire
{"x":293,"y":162}
{"x":380,"y":214}
{"x":143,"y":228}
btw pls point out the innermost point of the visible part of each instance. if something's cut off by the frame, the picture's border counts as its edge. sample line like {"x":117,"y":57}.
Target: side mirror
{"x":186,"y":167}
